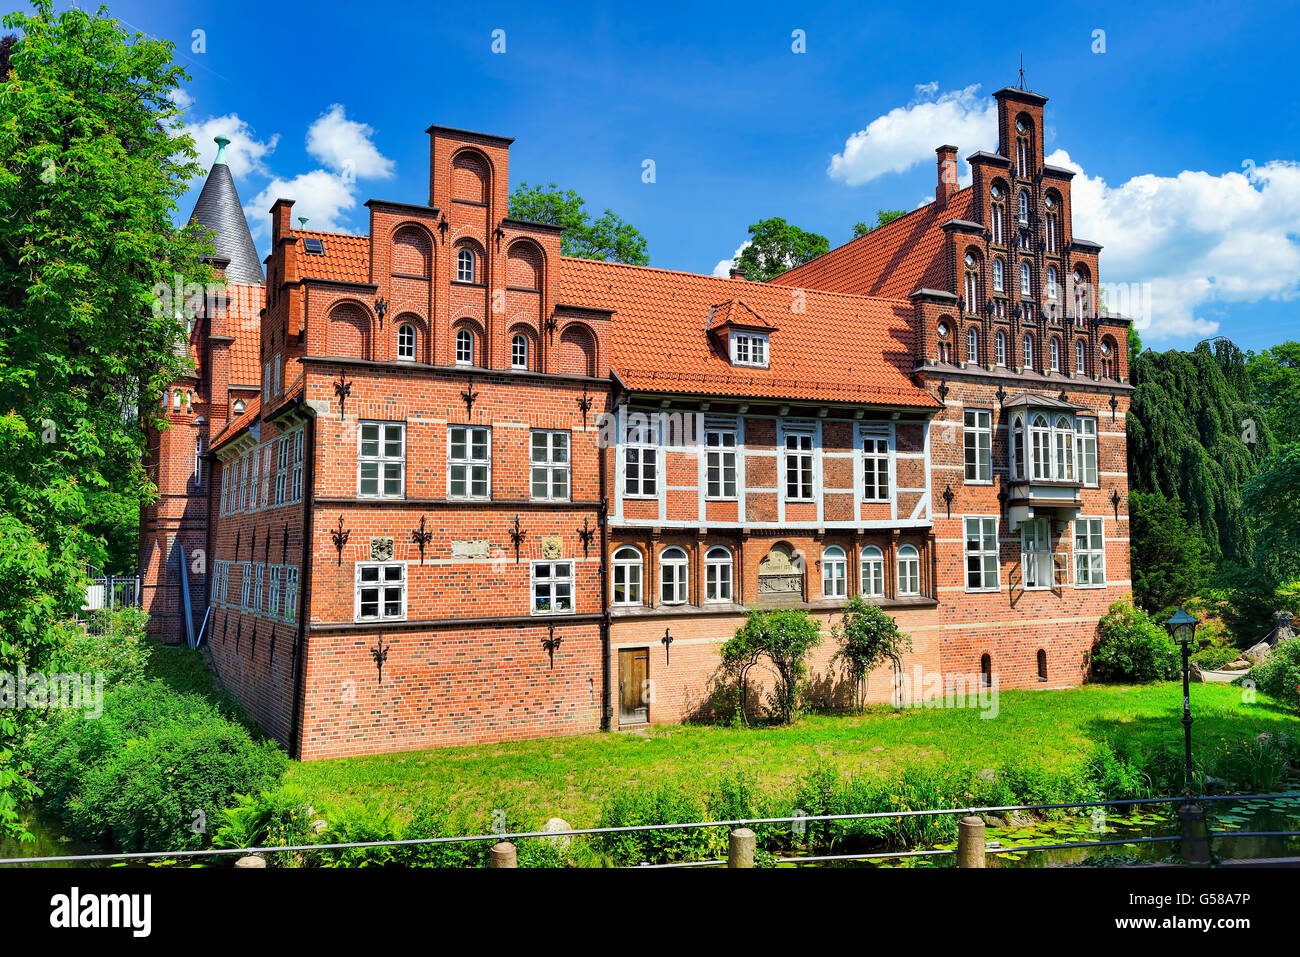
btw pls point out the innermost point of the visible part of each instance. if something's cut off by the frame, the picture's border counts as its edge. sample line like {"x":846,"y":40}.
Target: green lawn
{"x":569,"y":777}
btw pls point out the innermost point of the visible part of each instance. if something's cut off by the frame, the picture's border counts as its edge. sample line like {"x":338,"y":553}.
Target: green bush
{"x":1216,"y":656}
{"x":669,"y":803}
{"x":1133,"y":647}
{"x":134,"y":777}
{"x":113,"y":643}
{"x":1279,"y":675}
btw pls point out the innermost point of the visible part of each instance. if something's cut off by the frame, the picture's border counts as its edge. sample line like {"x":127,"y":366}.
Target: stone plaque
{"x":381,"y":549}
{"x":552,"y":547}
{"x":780,"y":572}
{"x":475,"y":548}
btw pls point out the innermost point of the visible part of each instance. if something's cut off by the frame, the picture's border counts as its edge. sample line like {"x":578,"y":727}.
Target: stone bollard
{"x":1196,"y":835}
{"x":502,"y":855}
{"x":740,"y":847}
{"x":251,"y":860}
{"x":970,"y":842}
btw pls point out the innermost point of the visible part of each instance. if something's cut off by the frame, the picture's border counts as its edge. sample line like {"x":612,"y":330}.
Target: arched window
{"x":1026,"y":280}
{"x":717,"y":574}
{"x":873,"y":572}
{"x":999,"y":281}
{"x":909,"y":571}
{"x":1080,"y":295}
{"x":1042,"y":665}
{"x":1107,"y":360}
{"x":1022,"y":208}
{"x":406,"y":341}
{"x":465,"y":265}
{"x":627,"y":576}
{"x":1040,"y":437}
{"x":945,"y":347}
{"x":986,"y":670}
{"x":1064,"y":437}
{"x":519,"y":351}
{"x":464,"y":347}
{"x":1054,"y":348}
{"x":1080,"y":357}
{"x":999,"y":214}
{"x":1029,"y":352}
{"x":972,"y":302}
{"x":1051,"y":282}
{"x":1017,"y":446}
{"x":239,"y":407}
{"x":1023,"y":130}
{"x":972,"y":345}
{"x":1053,"y":225}
{"x":672,"y":576}
{"x":834,"y":572}
{"x":1000,"y":341}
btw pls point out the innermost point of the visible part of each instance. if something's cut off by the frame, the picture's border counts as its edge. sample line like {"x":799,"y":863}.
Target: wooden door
{"x":633,"y":693}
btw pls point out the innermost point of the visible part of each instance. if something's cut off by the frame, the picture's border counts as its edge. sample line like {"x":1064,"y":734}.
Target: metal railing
{"x":970,"y":836}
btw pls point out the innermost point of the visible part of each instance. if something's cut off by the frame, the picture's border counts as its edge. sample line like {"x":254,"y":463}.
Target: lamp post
{"x":1182,"y":628}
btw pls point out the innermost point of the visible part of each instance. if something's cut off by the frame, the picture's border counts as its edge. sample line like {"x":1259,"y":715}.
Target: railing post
{"x":740,"y":847}
{"x":503,"y":855}
{"x":970,"y":842}
{"x":1196,"y":835}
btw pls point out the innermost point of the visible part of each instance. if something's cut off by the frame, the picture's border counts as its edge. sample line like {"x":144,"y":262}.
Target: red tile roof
{"x":247,"y":331}
{"x":236,"y":425}
{"x":826,"y":345}
{"x":892,"y":261}
{"x":346,"y":259}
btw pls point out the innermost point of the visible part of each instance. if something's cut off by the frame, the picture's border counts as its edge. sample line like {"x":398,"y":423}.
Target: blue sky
{"x":740,"y":127}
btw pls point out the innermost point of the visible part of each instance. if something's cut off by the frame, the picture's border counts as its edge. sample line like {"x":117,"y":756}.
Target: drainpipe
{"x":604,"y":595}
{"x":304,"y":582}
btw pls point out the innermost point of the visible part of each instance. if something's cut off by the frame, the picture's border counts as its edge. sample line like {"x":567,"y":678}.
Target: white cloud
{"x":908,"y":135}
{"x":724,"y":266}
{"x":245,"y":155}
{"x":323,"y":197}
{"x":1202,"y":241}
{"x":345,"y":147}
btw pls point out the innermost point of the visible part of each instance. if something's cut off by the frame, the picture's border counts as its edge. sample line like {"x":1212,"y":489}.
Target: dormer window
{"x":748,"y":349}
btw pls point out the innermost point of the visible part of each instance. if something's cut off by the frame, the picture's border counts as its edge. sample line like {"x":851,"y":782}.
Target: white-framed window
{"x":254,"y":478}
{"x":1040,"y":439}
{"x":875,"y":467}
{"x":519,"y":351}
{"x":1107,"y":360}
{"x":1080,"y":357}
{"x":266,"y":380}
{"x":291,"y":592}
{"x":640,"y":457}
{"x":981,"y":550}
{"x":834,"y":572}
{"x":224,"y":586}
{"x":1029,"y":352}
{"x":672,"y":576}
{"x":464,"y":347}
{"x":1086,"y":451}
{"x":873,"y":572}
{"x":381,"y":459}
{"x":1001,"y":342}
{"x":979,"y":445}
{"x":238,"y":407}
{"x":1089,"y":553}
{"x":282,"y":447}
{"x":380,"y":591}
{"x":552,"y":588}
{"x":1063,"y":436}
{"x":1026,"y":280}
{"x":273,"y":597}
{"x":717,"y":574}
{"x":406,"y":342}
{"x":909,"y":571}
{"x":999,"y":218}
{"x":720,"y":463}
{"x":999,"y":274}
{"x":268,"y":466}
{"x":1051,"y":282}
{"x":256,"y":604}
{"x":1055,"y":353}
{"x":469,"y":462}
{"x":198,"y":463}
{"x":799,"y":465}
{"x":1022,"y":206}
{"x":1036,"y":553}
{"x":549,"y":464}
{"x":465,"y":265}
{"x":972,"y":345}
{"x":748,"y":349}
{"x":628,"y":574}
{"x":971,"y":299}
{"x":945,"y":347}
{"x":276,"y":378}
{"x":295,"y":471}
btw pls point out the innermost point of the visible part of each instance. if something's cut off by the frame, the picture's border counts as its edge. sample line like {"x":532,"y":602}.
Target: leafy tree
{"x":1169,"y":555}
{"x":868,"y":638}
{"x":91,"y":166}
{"x":776,"y":246}
{"x":1134,"y":341}
{"x":1275,"y":379}
{"x":1272,"y":500}
{"x":785,"y":638}
{"x":1193,"y":435}
{"x":1132,"y":646}
{"x":883,"y":218}
{"x":607,"y":238}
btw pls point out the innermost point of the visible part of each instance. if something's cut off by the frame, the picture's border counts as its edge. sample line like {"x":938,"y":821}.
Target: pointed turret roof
{"x":219,"y":210}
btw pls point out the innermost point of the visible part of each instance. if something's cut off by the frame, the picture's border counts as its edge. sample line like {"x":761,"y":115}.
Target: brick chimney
{"x":947,"y":184}
{"x":737,"y":273}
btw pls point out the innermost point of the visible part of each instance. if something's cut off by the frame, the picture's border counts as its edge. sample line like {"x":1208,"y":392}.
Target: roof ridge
{"x":317,"y":232}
